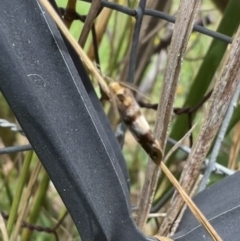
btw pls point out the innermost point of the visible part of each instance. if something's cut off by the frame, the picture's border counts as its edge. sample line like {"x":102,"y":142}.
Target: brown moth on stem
{"x":137,"y":124}
{"x":135,"y":121}
{"x":127,"y":105}
{"x":130,"y":111}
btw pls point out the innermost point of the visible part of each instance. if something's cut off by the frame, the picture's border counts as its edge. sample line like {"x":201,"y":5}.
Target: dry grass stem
{"x":3,"y":229}
{"x":179,"y":218}
{"x":179,"y":143}
{"x":218,"y":140}
{"x":150,"y":26}
{"x":25,"y":201}
{"x":184,"y":23}
{"x":235,"y":147}
{"x":71,"y":6}
{"x":196,"y":212}
{"x":92,"y":14}
{"x":100,"y":27}
{"x":219,"y":102}
{"x":82,"y":55}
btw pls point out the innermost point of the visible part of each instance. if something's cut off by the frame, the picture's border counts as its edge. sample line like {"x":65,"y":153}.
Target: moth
{"x":127,"y":105}
{"x":135,"y":121}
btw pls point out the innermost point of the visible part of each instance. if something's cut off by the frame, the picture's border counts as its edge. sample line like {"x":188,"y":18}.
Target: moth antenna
{"x":124,"y":84}
{"x":134,"y":89}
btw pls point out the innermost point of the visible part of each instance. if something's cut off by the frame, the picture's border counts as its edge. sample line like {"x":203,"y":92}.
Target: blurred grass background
{"x":199,"y":72}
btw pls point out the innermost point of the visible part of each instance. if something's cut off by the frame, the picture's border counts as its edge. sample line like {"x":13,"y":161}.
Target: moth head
{"x":158,"y":153}
{"x":116,"y":88}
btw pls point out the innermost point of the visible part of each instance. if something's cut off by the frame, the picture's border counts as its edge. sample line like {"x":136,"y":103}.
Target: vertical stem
{"x":221,"y":134}
{"x":186,"y":16}
{"x":219,"y":102}
{"x":71,"y":7}
{"x":19,"y":190}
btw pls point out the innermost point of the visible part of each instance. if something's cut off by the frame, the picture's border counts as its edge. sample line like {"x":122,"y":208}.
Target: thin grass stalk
{"x":235,"y":147}
{"x":165,"y":182}
{"x":129,"y":30}
{"x":179,"y":218}
{"x":17,"y":197}
{"x":186,"y":16}
{"x":100,"y":26}
{"x":235,"y":119}
{"x":219,"y":102}
{"x":149,"y":25}
{"x":71,"y":7}
{"x":125,"y":69}
{"x":112,"y":37}
{"x":6,"y":184}
{"x":25,"y":201}
{"x":65,"y":226}
{"x":37,"y":205}
{"x":194,"y":209}
{"x":3,"y":229}
{"x":82,"y":55}
{"x":92,"y":14}
{"x":220,"y":137}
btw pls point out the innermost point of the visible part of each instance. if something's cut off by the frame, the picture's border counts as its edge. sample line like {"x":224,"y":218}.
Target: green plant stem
{"x":37,"y":205}
{"x":6,"y":185}
{"x":121,"y":43}
{"x":19,"y":191}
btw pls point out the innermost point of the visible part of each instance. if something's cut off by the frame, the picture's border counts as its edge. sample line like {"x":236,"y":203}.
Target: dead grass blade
{"x":235,"y":147}
{"x":186,"y":16}
{"x":219,"y":138}
{"x":179,"y":143}
{"x":219,"y":102}
{"x":93,"y":11}
{"x":25,"y":201}
{"x":87,"y":62}
{"x":100,"y":27}
{"x":196,"y":212}
{"x":180,"y":215}
{"x":149,"y":29}
{"x":71,"y":7}
{"x":3,"y":229}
